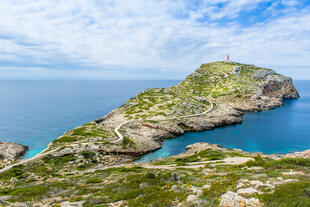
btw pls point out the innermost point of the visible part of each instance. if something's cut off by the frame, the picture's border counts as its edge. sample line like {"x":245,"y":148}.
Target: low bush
{"x":258,"y":161}
{"x":287,"y":195}
{"x":94,"y":180}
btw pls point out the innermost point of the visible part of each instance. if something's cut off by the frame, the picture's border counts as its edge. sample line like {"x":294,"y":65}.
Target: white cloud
{"x":138,"y":36}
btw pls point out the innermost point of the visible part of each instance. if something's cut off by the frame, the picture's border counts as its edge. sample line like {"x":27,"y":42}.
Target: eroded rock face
{"x":279,"y":86}
{"x":11,"y":151}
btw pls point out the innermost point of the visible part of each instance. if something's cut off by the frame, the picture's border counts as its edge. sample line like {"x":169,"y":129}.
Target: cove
{"x":281,"y":130}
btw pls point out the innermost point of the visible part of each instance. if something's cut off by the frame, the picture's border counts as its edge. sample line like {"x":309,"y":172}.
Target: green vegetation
{"x":287,"y":195}
{"x":219,"y":187}
{"x":93,"y":180}
{"x":90,"y":130}
{"x":258,"y":161}
{"x":215,"y":81}
{"x":137,"y":186}
{"x":128,"y":142}
{"x":205,"y":155}
{"x":65,"y":139}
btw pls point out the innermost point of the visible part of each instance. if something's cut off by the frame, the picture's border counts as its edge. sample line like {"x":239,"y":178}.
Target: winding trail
{"x":36,"y":157}
{"x":118,"y":141}
{"x":121,"y":137}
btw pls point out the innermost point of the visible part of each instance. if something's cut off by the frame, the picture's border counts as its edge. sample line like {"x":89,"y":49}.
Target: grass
{"x":206,"y":155}
{"x":258,"y":161}
{"x":81,"y":133}
{"x":65,"y":139}
{"x":288,"y":195}
{"x":15,"y":172}
{"x":128,"y":142}
{"x":93,"y":180}
{"x":145,"y":187}
{"x":219,"y":187}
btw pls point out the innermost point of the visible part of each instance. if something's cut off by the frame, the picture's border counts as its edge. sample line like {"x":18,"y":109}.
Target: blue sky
{"x":150,"y":39}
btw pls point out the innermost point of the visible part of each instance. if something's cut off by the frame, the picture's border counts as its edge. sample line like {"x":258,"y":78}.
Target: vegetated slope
{"x":205,"y":175}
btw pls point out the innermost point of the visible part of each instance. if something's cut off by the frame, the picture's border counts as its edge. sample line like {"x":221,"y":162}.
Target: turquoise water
{"x":34,"y":113}
{"x":281,"y":130}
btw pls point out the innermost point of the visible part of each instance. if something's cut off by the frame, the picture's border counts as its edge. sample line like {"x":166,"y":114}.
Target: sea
{"x":34,"y":113}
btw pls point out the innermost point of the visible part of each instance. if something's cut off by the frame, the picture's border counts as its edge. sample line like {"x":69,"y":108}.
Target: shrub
{"x":65,"y":139}
{"x":88,"y":154}
{"x":288,"y":163}
{"x":93,"y":180}
{"x":290,"y":194}
{"x":258,"y":161}
{"x":128,"y":142}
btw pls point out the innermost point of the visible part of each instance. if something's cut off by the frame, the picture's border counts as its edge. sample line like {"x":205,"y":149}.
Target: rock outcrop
{"x":231,"y":199}
{"x":11,"y":151}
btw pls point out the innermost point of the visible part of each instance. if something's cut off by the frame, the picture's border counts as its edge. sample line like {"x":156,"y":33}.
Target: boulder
{"x":231,"y":199}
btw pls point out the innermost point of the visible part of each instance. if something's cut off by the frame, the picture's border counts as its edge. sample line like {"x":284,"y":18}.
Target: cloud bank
{"x":153,"y":39}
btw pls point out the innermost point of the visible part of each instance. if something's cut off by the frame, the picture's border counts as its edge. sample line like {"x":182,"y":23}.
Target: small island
{"x":93,"y":164}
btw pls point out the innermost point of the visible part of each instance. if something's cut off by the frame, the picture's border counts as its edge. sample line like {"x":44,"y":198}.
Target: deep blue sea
{"x":36,"y":112}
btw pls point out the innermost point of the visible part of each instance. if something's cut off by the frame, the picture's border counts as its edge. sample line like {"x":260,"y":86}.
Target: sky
{"x":149,"y":39}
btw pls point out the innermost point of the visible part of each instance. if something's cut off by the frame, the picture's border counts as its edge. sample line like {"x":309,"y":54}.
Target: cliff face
{"x":279,"y":86}
{"x":227,"y":89}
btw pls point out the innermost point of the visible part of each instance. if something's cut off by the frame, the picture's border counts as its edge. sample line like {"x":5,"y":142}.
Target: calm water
{"x":36,"y":112}
{"x":281,"y":130}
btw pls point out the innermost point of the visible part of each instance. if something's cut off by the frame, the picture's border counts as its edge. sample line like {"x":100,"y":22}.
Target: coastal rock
{"x":279,"y":86}
{"x":12,"y":151}
{"x":197,"y":147}
{"x":303,"y":154}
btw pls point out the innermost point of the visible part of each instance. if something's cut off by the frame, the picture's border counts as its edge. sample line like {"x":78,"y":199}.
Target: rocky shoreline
{"x":198,"y":147}
{"x":10,"y":151}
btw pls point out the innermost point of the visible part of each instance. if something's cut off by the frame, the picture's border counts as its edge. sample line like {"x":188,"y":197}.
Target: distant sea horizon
{"x":35,"y":112}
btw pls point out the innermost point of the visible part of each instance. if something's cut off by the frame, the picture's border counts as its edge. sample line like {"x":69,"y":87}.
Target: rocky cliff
{"x":10,"y":151}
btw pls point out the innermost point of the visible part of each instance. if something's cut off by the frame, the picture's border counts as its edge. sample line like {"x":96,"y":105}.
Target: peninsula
{"x":93,"y":164}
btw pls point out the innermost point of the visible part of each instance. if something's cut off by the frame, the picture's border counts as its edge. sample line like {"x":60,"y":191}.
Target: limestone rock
{"x":247,"y":191}
{"x":72,"y":204}
{"x":303,"y":154}
{"x":12,"y":151}
{"x":263,"y":73}
{"x":231,"y":199}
